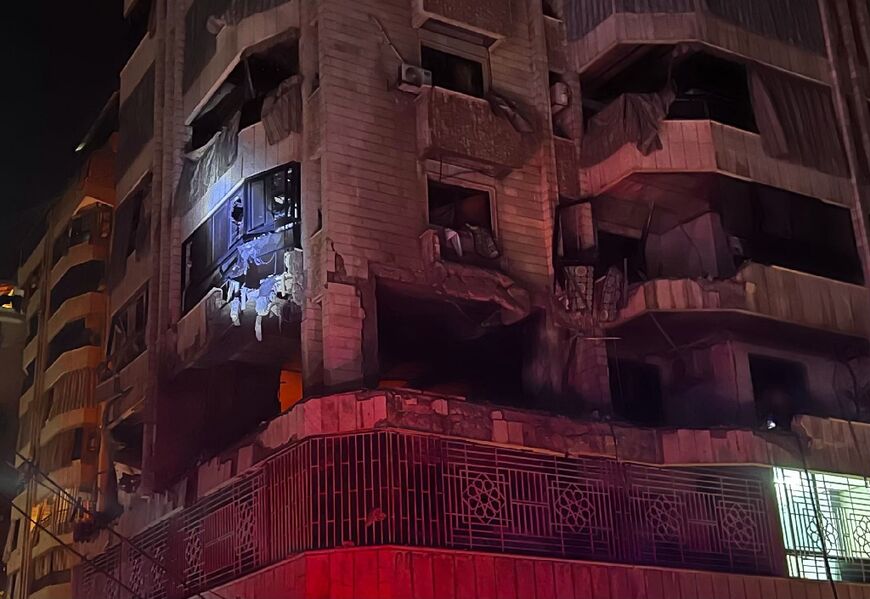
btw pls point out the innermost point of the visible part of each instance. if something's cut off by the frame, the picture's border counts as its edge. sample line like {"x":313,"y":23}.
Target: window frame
{"x":462,"y":49}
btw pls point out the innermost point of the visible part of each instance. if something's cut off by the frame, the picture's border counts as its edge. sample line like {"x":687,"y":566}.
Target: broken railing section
{"x":270,"y":295}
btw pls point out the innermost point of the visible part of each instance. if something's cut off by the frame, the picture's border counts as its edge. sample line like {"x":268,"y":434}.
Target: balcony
{"x":447,"y":494}
{"x":489,"y":19}
{"x":820,"y":307}
{"x":464,"y":130}
{"x":208,"y":334}
{"x":606,"y":32}
{"x":702,"y":146}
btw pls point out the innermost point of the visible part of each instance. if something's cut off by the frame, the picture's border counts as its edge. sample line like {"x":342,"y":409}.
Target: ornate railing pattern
{"x":389,"y":487}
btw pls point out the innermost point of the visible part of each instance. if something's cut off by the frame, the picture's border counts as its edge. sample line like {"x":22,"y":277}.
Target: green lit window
{"x":825,"y":522}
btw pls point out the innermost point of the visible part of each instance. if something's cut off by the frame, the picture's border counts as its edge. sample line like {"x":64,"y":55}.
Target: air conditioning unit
{"x":560,"y":96}
{"x":412,"y":78}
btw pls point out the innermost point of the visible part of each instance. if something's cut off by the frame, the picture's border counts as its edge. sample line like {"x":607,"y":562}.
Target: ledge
{"x":708,"y":147}
{"x":826,"y":305}
{"x":617,"y":35}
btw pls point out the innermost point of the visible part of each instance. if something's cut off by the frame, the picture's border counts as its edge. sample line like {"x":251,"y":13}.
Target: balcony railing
{"x":393,"y":488}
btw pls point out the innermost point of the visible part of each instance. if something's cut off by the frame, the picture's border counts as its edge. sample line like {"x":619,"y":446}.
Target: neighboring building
{"x":12,"y":334}
{"x":447,"y":298}
{"x":62,"y":278}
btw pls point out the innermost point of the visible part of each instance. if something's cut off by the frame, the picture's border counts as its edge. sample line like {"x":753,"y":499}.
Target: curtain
{"x":797,"y":121}
{"x":631,"y":118}
{"x":282,"y":110}
{"x":205,"y":165}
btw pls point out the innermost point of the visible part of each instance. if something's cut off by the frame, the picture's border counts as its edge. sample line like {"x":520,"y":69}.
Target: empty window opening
{"x":453,"y":72}
{"x":72,"y":336}
{"x":620,"y":252}
{"x":706,"y":87}
{"x":776,"y":227}
{"x":266,"y":204}
{"x":464,"y":219}
{"x":78,"y":280}
{"x":636,"y":390}
{"x":445,"y":347}
{"x":245,"y":89}
{"x":780,"y":389}
{"x":551,"y":8}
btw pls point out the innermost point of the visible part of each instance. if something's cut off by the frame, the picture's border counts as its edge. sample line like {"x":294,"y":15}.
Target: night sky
{"x":60,"y":63}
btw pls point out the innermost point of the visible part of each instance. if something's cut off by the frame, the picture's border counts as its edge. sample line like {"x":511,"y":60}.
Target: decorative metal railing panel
{"x":389,"y":487}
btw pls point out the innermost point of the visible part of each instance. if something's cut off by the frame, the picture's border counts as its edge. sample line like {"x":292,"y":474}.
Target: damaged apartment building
{"x":439,"y":298}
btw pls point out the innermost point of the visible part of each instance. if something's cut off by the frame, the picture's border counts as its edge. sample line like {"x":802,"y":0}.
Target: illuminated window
{"x":825,"y":522}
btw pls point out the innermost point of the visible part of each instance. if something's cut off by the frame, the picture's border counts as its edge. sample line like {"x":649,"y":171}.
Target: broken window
{"x":453,"y":72}
{"x":636,"y":390}
{"x":78,"y":280}
{"x":265,"y":204}
{"x":780,"y":389}
{"x":73,"y":335}
{"x":622,"y":253}
{"x":245,"y":89}
{"x":463,"y":216}
{"x":776,"y":227}
{"x":127,"y":333}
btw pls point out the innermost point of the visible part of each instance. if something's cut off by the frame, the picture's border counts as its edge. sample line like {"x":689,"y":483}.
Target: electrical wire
{"x":817,"y":509}
{"x":72,"y":549}
{"x":59,"y":490}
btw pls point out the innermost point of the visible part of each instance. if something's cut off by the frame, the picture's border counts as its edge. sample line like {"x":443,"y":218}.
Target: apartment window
{"x":127,"y":334}
{"x":72,"y":336}
{"x":454,"y":72}
{"x":264,"y":204}
{"x":824,"y":524}
{"x":780,"y":389}
{"x":636,"y":390}
{"x":780,"y":228}
{"x":78,"y":280}
{"x":464,"y":219}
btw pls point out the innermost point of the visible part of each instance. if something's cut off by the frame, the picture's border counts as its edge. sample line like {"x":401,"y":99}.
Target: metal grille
{"x":826,"y":524}
{"x":389,"y":487}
